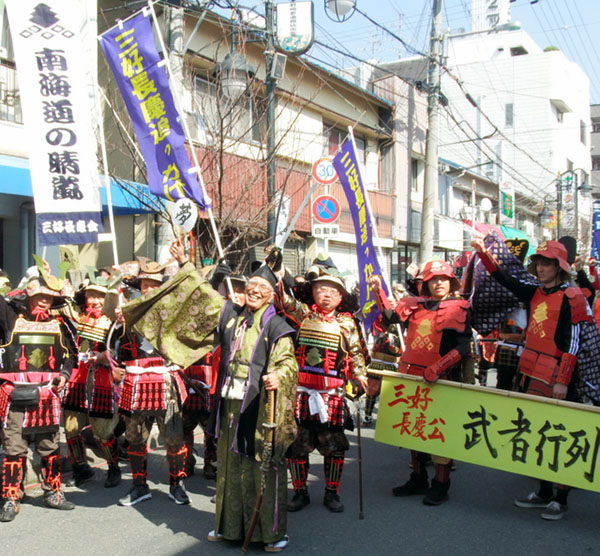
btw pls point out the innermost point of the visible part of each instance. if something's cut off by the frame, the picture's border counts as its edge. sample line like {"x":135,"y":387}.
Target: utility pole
{"x":270,"y":89}
{"x":431,"y":145}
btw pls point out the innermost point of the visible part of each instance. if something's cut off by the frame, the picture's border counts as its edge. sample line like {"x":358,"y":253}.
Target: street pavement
{"x":479,"y":518}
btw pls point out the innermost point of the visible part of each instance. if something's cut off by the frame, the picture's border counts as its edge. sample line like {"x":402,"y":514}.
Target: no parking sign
{"x":325,"y":211}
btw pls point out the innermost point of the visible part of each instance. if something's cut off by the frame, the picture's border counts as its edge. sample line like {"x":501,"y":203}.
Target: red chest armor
{"x":544,"y":310}
{"x":425,"y":329}
{"x":540,"y":358}
{"x":423,"y":340}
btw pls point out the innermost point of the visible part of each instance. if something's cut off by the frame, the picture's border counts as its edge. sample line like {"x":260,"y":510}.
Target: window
{"x":582,"y":132}
{"x":6,"y":46}
{"x":415,"y":226}
{"x":596,"y":163}
{"x":595,"y":127}
{"x":10,"y":99}
{"x":518,"y":51}
{"x":244,"y":120}
{"x":334,"y":137}
{"x":387,"y":166}
{"x":414,"y":174}
{"x":509,"y":115}
{"x":444,"y":192}
{"x":361,"y":149}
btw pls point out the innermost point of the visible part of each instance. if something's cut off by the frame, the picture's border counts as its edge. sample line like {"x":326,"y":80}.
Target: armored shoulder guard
{"x":452,"y":314}
{"x":578,"y":304}
{"x":407,"y":306}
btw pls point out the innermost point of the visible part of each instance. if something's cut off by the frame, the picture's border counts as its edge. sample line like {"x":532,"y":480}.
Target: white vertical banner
{"x":53,"y":61}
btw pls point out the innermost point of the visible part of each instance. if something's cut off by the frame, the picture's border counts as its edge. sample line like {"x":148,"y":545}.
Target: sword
{"x":361,"y":513}
{"x":268,"y":427}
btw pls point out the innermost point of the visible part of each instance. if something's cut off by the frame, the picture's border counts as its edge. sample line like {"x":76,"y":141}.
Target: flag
{"x":139,"y":72}
{"x":53,"y":67}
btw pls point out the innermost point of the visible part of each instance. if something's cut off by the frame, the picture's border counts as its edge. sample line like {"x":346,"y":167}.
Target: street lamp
{"x":341,"y":9}
{"x":233,"y":73}
{"x":545,"y":215}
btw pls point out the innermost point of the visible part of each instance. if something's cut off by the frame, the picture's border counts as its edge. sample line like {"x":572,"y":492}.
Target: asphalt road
{"x":479,"y":518}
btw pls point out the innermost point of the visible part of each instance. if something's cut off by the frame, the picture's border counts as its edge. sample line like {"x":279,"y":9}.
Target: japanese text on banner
{"x":349,"y":174}
{"x":143,"y":83}
{"x":520,"y":434}
{"x":50,"y":51}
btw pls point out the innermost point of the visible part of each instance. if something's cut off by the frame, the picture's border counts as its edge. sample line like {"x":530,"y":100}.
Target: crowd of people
{"x":265,"y":364}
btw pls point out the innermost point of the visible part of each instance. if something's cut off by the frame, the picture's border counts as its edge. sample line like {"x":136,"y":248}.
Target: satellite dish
{"x":485,"y":204}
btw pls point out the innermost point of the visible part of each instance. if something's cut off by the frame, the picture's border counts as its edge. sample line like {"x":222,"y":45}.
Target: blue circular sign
{"x":326,"y":209}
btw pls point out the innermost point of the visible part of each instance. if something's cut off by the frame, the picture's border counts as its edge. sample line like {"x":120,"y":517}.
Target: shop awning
{"x":15,"y":179}
{"x":506,"y":232}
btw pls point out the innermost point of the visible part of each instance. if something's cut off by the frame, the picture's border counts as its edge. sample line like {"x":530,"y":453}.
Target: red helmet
{"x":439,"y":268}
{"x":550,"y":250}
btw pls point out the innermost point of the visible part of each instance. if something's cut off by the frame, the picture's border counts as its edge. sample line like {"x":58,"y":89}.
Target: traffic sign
{"x":326,"y":209}
{"x":323,"y":171}
{"x":325,"y":231}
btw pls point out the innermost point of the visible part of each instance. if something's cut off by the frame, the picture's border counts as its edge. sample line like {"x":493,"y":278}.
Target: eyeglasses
{"x":263,"y":288}
{"x":327,"y":289}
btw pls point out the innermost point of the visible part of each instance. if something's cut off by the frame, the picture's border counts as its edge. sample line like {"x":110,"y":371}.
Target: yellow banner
{"x":538,"y":437}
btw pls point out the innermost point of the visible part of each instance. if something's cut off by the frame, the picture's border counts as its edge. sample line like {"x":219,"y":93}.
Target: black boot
{"x":333,"y":466}
{"x":111,"y":455}
{"x":82,"y":474}
{"x":299,"y":500}
{"x":416,"y":484}
{"x":299,"y":473}
{"x":113,"y":476}
{"x":437,"y":493}
{"x":332,"y":502}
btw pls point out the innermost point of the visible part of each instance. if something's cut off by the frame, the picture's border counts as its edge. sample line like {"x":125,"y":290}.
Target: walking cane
{"x":268,"y":426}
{"x":361,"y":514}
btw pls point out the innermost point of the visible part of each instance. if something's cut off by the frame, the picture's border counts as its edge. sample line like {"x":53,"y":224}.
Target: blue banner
{"x":142,"y":80}
{"x":596,"y":231}
{"x":348,"y":172}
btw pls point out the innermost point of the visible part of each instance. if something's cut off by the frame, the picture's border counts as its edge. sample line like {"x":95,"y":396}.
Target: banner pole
{"x":186,"y":131}
{"x":368,"y":203}
{"x":109,"y":205}
{"x":292,"y":223}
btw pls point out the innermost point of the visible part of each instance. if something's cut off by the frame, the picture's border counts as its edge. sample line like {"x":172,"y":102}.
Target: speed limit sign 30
{"x":323,"y":171}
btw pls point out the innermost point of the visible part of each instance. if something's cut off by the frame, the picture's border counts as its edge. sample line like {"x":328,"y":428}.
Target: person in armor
{"x":548,"y":362}
{"x":36,"y":362}
{"x":152,"y":391}
{"x":385,"y":355}
{"x":330,"y":353}
{"x":90,"y":392}
{"x":438,"y":338}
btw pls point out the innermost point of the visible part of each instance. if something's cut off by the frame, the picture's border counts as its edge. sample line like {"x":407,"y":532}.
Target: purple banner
{"x":349,"y":174}
{"x":142,"y":80}
{"x":596,"y":231}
